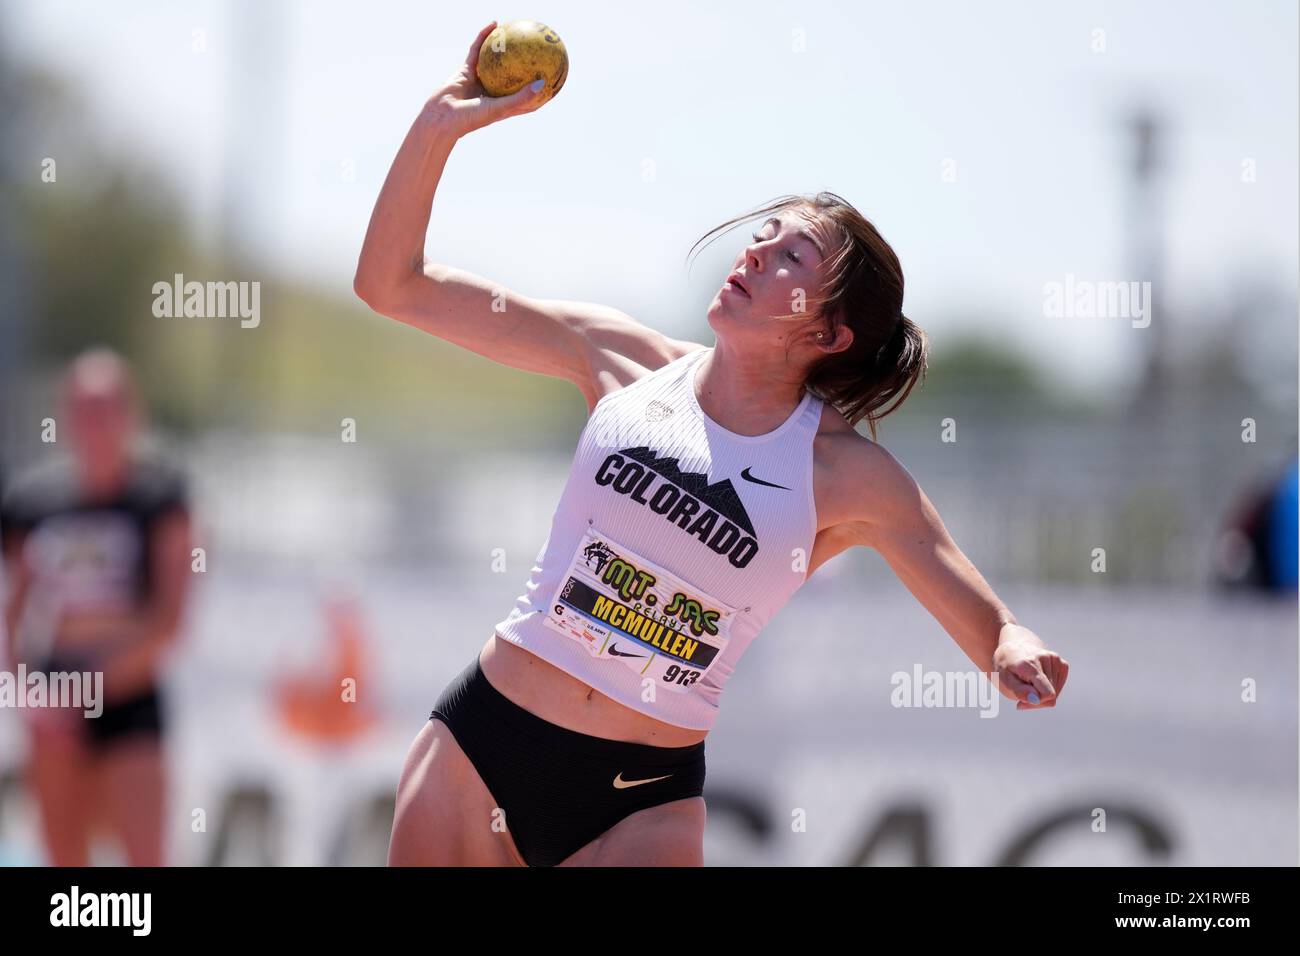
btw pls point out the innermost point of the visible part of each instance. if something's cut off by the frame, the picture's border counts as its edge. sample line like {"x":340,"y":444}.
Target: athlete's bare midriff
{"x":554,"y":695}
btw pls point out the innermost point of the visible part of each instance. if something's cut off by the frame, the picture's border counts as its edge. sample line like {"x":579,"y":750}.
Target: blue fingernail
{"x":1033,"y":697}
{"x":537,"y":85}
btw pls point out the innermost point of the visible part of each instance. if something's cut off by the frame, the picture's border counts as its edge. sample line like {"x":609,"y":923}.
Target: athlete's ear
{"x":833,"y":335}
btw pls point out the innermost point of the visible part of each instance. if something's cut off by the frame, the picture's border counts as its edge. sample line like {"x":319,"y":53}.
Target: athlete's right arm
{"x":596,"y":347}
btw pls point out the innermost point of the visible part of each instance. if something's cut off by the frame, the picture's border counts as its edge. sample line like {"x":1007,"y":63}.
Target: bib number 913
{"x":681,"y":676}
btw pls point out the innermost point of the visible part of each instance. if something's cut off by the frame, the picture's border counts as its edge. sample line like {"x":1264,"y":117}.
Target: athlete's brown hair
{"x":863,"y":289}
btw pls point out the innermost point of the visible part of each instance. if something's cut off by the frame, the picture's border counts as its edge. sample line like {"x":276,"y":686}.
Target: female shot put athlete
{"x":708,"y":484}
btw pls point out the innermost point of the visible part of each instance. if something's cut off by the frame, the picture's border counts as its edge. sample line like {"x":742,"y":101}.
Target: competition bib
{"x":621,"y":606}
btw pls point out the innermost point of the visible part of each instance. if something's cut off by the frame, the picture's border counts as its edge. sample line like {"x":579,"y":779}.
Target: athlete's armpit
{"x":618,"y":349}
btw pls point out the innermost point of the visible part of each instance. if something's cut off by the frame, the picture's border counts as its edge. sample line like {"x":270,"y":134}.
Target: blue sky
{"x":305,"y":104}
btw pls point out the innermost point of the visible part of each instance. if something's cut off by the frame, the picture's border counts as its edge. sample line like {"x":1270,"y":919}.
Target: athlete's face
{"x":776,"y":277}
{"x":102,"y":418}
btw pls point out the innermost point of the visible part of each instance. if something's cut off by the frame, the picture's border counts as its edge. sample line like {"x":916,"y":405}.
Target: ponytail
{"x":874,"y":388}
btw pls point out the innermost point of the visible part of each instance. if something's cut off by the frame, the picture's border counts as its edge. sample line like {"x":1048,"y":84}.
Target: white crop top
{"x":675,"y":541}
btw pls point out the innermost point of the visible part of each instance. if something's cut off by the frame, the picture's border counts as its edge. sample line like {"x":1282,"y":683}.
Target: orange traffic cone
{"x":328,"y":707}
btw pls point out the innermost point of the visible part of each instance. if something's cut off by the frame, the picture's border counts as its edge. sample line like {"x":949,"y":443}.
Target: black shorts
{"x":560,"y":789}
{"x":123,"y":720}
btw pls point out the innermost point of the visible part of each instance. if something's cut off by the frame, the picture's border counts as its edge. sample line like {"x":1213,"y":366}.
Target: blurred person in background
{"x":97,"y":555}
{"x":1259,"y":546}
{"x":583,"y":716}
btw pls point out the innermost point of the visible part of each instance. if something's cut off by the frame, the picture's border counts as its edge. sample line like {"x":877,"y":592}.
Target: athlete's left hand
{"x":1025,"y":666}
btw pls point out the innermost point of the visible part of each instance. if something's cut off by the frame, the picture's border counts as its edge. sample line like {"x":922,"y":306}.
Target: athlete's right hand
{"x":464,"y":105}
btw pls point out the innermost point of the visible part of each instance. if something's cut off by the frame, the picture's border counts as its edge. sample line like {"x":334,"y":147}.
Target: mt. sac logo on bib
{"x":633,"y":584}
{"x":713,"y":513}
{"x":621,"y":606}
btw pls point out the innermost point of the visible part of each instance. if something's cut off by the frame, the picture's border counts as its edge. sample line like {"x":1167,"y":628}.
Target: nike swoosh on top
{"x":759,"y":481}
{"x":620,"y":783}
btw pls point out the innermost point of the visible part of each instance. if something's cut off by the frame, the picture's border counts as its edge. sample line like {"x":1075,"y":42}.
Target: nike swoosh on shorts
{"x":620,"y":783}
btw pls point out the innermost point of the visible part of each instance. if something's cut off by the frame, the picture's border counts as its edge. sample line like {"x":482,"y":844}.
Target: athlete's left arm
{"x":17,"y":584}
{"x":899,"y":521}
{"x":134,"y":669}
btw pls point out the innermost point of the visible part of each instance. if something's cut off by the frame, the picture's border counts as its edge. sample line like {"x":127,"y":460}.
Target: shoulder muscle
{"x":875,"y":493}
